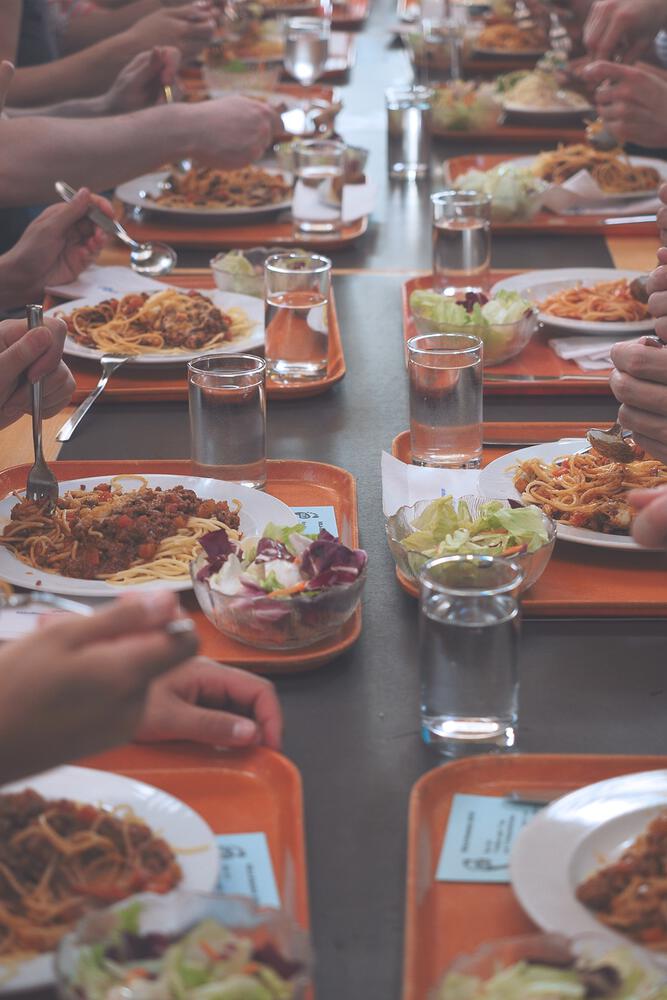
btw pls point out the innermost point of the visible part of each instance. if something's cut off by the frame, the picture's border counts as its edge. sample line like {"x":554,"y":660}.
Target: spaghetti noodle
{"x":206,"y":187}
{"x":125,"y":538}
{"x":605,"y":302}
{"x":588,"y":490}
{"x":167,"y":322}
{"x":630,"y":894}
{"x":59,"y":859}
{"x":612,"y":170}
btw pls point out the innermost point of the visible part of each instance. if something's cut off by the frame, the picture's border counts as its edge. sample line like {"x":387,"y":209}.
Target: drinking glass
{"x":408,"y":131}
{"x":306,"y":48}
{"x":469,"y":628}
{"x":297,"y":291}
{"x":445,"y":373}
{"x":319,"y":168}
{"x":228,"y":417}
{"x":461,"y":239}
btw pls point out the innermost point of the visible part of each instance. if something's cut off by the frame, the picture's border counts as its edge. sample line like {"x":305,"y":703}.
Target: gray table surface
{"x":352,"y":726}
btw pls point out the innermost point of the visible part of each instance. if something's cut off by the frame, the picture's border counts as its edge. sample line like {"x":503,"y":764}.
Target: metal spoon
{"x":151,"y":259}
{"x":611,"y":443}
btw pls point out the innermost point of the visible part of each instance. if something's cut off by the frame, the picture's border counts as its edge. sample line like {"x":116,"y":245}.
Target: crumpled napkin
{"x":321,"y":203}
{"x":404,"y":484}
{"x":580,"y":195}
{"x":589,"y":353}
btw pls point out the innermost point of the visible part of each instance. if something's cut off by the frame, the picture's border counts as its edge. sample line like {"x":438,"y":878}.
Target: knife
{"x":545,"y":378}
{"x":625,"y":220}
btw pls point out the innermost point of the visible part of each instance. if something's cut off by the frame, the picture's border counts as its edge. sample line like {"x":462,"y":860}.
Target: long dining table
{"x":594,"y":686}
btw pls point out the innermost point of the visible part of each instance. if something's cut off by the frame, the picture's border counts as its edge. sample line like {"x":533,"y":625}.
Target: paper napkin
{"x":106,"y":281}
{"x":589,"y":353}
{"x":319,"y":202}
{"x":581,"y":195}
{"x":407,"y":484}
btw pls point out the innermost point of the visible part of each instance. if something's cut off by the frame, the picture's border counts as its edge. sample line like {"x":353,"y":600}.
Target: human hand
{"x":55,"y":248}
{"x":662,"y":215}
{"x":26,"y":356}
{"x":624,"y":27}
{"x":649,"y":526}
{"x":231,"y":131}
{"x":140,"y":83}
{"x":82,"y":682}
{"x":656,"y":286}
{"x":629,"y":100}
{"x":209,"y":703}
{"x":188,"y":28}
{"x":639,"y":383}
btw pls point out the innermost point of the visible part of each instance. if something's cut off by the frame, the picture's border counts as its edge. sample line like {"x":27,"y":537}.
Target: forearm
{"x":82,"y":107}
{"x":95,"y":25}
{"x":98,"y":153}
{"x":88,"y":72}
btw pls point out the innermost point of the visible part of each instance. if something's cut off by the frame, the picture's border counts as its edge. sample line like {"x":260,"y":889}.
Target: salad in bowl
{"x":281,"y":590}
{"x":505,"y":323}
{"x":471,"y":526}
{"x":516,"y":193}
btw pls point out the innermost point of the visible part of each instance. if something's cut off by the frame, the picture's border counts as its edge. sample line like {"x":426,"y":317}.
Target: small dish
{"x":401,"y":524}
{"x":242,"y":271}
{"x":268,"y":623}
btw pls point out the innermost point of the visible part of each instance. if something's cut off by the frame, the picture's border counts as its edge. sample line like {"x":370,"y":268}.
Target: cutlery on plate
{"x":42,"y":485}
{"x":176,"y":628}
{"x":110,"y":363}
{"x":152,"y":259}
{"x":545,"y":378}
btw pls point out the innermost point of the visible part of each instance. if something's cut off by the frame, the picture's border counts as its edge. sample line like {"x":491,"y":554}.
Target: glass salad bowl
{"x":550,"y":966}
{"x":401,"y":524}
{"x":242,"y":271}
{"x":182,"y":945}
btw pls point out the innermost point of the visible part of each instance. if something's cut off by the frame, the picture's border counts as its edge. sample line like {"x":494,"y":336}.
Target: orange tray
{"x":548,"y":222}
{"x":294,"y":482}
{"x":511,"y":131}
{"x":248,"y":791}
{"x":214,"y":236}
{"x":170,"y":382}
{"x":536,"y":359}
{"x":580,"y":581}
{"x":447,"y":919}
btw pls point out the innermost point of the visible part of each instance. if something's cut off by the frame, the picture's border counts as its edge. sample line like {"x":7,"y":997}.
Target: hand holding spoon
{"x":151,"y":259}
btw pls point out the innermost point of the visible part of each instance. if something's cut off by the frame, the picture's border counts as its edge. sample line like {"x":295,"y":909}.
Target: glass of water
{"x":469,"y":627}
{"x":228,"y":417}
{"x":408,"y":131}
{"x":306,"y":48}
{"x":319,"y":169}
{"x":461,"y":239}
{"x":446,"y":381}
{"x":297,"y":291}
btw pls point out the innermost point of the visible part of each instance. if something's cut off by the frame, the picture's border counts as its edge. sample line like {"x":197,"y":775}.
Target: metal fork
{"x":110,"y":363}
{"x":42,"y":485}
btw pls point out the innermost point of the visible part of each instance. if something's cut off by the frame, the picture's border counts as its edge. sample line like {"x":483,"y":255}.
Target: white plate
{"x":142,"y":191}
{"x":537,"y":285}
{"x":254,"y":308}
{"x":636,"y":161}
{"x":573,"y":837}
{"x":554,"y":110}
{"x":168,"y":817}
{"x":257,"y":509}
{"x":496,"y":482}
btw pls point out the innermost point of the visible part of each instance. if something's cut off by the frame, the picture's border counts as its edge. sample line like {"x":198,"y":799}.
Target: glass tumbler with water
{"x":306,"y":48}
{"x":408,"y":131}
{"x":445,"y":374}
{"x":228,"y":417}
{"x":298,"y":288}
{"x":319,"y":168}
{"x":461,"y":239}
{"x":469,"y":629}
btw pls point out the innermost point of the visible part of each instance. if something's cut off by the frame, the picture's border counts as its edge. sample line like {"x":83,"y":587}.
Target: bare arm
{"x":10,"y":25}
{"x":101,"y":22}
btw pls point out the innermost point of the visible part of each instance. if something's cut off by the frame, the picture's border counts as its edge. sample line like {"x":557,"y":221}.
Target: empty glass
{"x":298,"y":287}
{"x":446,"y":378}
{"x":228,"y":417}
{"x":461,"y":239}
{"x":408,"y":131}
{"x":319,"y":168}
{"x":306,"y":48}
{"x":469,"y":628}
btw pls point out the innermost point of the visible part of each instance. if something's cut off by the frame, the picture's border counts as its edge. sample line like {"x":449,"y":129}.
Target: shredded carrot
{"x":514,"y":550}
{"x":209,"y":951}
{"x":286,"y":591}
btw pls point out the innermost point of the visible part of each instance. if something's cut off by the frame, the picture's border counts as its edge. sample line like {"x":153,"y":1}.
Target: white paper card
{"x":407,"y":484}
{"x":15,"y":623}
{"x":107,"y":281}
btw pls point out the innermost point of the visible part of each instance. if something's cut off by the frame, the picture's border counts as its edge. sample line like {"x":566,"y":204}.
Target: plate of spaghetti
{"x":76,"y":839}
{"x":506,"y":38}
{"x":615,"y":175}
{"x":166,"y":326}
{"x":126,"y":531}
{"x":590,"y":300}
{"x":211,"y":192}
{"x":582,"y":491}
{"x":596,"y":861}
